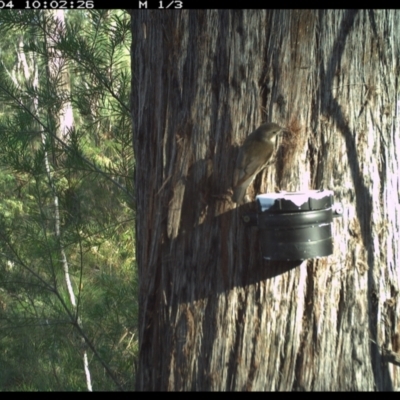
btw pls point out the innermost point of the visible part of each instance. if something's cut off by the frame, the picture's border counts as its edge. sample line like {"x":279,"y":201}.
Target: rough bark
{"x":213,"y":314}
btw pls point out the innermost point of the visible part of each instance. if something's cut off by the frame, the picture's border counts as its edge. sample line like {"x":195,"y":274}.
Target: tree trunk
{"x":59,"y":73}
{"x":213,"y":314}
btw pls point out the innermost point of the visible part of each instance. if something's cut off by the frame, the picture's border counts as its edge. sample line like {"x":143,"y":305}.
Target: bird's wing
{"x":249,"y":167}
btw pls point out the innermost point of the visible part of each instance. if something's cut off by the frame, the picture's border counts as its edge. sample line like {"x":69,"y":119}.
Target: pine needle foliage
{"x":90,"y":174}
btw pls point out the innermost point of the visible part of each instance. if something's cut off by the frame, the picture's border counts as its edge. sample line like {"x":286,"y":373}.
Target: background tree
{"x":213,"y":314}
{"x":67,"y":282}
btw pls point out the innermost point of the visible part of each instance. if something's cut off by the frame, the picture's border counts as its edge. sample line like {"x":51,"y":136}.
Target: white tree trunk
{"x":58,"y":71}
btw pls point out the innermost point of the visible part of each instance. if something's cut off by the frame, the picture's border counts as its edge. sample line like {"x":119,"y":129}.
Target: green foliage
{"x":82,"y":184}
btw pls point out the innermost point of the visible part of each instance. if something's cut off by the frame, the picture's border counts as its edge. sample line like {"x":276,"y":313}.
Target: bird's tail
{"x":240,"y":190}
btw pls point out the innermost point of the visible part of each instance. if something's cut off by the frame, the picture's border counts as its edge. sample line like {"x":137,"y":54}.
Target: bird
{"x":253,"y":156}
